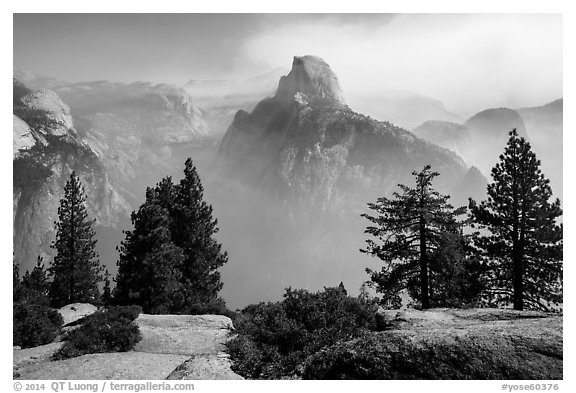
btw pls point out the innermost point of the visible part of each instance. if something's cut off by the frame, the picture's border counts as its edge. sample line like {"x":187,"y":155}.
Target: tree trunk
{"x":518,"y":250}
{"x":423,"y":266}
{"x":72,"y":235}
{"x":430,"y":284}
{"x":517,"y":284}
{"x":517,"y":272}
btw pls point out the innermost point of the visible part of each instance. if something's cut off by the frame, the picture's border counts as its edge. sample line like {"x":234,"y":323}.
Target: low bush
{"x":111,"y":330}
{"x":129,"y":313}
{"x":35,"y":325}
{"x":274,"y":339}
{"x":214,"y":307}
{"x":361,"y":359}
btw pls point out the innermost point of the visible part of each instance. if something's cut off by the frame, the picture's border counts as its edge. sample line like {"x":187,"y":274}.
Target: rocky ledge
{"x":172,"y":347}
{"x":450,"y":344}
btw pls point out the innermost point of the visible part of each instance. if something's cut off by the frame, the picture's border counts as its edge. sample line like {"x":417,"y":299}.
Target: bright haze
{"x":467,"y":61}
{"x":288,"y":186}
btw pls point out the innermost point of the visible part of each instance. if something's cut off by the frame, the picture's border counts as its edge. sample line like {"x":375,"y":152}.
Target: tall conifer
{"x":168,"y":262}
{"x":75,"y":268}
{"x":523,"y":250}
{"x":409,"y":229}
{"x":35,"y":285}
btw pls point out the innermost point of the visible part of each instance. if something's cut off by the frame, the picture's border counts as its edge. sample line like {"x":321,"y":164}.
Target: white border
{"x":299,"y":6}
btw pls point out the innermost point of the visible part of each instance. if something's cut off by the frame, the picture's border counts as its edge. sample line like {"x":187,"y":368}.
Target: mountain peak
{"x":496,"y":122}
{"x":312,"y":76}
{"x":49,"y":101}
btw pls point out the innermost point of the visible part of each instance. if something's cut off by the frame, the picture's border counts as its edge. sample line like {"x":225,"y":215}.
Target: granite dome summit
{"x":312,"y":76}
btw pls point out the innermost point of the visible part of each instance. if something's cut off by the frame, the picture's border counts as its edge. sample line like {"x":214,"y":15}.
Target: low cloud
{"x":469,"y":61}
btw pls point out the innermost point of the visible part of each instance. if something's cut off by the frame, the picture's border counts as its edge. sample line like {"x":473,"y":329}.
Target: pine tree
{"x":194,"y":230}
{"x":169,"y":261}
{"x":76,"y":269}
{"x":456,"y":271}
{"x":106,"y":291}
{"x":410,"y":229}
{"x":16,"y":283}
{"x":149,"y":261}
{"x":364,"y":294}
{"x":35,"y":285}
{"x":523,"y":251}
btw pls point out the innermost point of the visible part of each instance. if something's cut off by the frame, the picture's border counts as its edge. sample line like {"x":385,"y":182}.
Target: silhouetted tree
{"x":194,"y":232}
{"x":455,"y":270}
{"x":169,"y":261}
{"x":410,"y":229}
{"x":106,"y":291}
{"x":16,"y":283}
{"x":523,"y":251}
{"x":149,"y":262}
{"x":35,"y":285}
{"x":75,"y":268}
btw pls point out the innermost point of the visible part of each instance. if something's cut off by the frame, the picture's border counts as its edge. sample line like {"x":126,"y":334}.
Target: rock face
{"x":41,"y":169}
{"x":452,"y":136}
{"x":172,"y":347}
{"x":451,"y":344}
{"x":22,"y":138}
{"x":57,"y":110}
{"x":311,"y":76}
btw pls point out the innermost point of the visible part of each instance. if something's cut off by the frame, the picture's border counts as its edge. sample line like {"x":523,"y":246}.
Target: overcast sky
{"x":468,"y":61}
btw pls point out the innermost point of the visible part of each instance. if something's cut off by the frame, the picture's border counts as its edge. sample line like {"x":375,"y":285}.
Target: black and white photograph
{"x":287,"y":196}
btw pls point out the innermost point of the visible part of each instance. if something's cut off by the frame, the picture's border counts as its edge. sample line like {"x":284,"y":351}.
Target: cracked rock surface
{"x":172,"y":347}
{"x":442,"y":343}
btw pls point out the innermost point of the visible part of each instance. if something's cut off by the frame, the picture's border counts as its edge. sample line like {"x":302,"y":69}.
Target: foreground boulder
{"x":183,"y":334}
{"x":120,"y":365}
{"x":76,"y":311}
{"x":449,"y":344}
{"x":172,"y":347}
